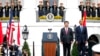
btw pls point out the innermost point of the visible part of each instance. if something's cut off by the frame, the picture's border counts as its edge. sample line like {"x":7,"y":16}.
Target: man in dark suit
{"x":88,"y":9}
{"x":66,"y":36}
{"x":18,"y":8}
{"x":61,"y":10}
{"x":81,"y":7}
{"x":40,"y":8}
{"x":47,"y":8}
{"x":6,"y":9}
{"x":1,"y":10}
{"x":98,"y":10}
{"x":81,"y":37}
{"x":93,"y":10}
{"x":13,"y":49}
{"x":54,"y":9}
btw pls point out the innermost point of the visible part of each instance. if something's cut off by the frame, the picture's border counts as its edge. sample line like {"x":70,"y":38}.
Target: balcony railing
{"x":50,"y":17}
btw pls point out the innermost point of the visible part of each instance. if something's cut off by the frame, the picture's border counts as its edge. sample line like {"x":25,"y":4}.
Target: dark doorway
{"x":50,"y":1}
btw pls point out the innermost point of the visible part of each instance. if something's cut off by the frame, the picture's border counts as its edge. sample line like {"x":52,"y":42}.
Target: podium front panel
{"x":49,"y":49}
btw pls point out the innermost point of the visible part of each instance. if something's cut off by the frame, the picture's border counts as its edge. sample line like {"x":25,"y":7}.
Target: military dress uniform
{"x":47,"y":9}
{"x":18,"y":9}
{"x":54,"y":10}
{"x":81,"y":8}
{"x":6,"y":9}
{"x":41,"y":9}
{"x":93,"y":11}
{"x":88,"y":11}
{"x":98,"y":11}
{"x":61,"y":11}
{"x":1,"y":11}
{"x":13,"y":8}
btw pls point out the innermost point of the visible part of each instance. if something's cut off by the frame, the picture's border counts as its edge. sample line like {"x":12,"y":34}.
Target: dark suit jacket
{"x":66,"y":38}
{"x":81,"y":36}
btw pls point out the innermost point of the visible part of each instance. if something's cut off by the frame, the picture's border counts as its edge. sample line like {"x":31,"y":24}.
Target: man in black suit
{"x":98,"y":10}
{"x":88,"y":9}
{"x":66,"y":36}
{"x":81,"y":7}
{"x":18,"y":8}
{"x":40,"y":8}
{"x":13,"y":49}
{"x":81,"y":37}
{"x":47,"y":8}
{"x":54,"y":9}
{"x":61,"y":10}
{"x":93,"y":10}
{"x":6,"y":9}
{"x":1,"y":10}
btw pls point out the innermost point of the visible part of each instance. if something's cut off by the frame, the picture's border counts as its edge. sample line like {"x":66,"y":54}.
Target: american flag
{"x":10,"y":29}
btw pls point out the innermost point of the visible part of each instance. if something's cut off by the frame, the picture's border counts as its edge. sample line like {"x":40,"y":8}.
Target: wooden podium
{"x":49,"y":44}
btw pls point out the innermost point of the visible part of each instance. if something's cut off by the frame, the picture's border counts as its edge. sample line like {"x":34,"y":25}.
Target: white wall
{"x":28,"y":17}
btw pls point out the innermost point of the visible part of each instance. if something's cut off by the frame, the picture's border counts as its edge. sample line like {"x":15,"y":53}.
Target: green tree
{"x":26,"y":47}
{"x":74,"y":50}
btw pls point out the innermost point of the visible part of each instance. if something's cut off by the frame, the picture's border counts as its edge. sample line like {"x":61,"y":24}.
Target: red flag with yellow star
{"x":84,"y":18}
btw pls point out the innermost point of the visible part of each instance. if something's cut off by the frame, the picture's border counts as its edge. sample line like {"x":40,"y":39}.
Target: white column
{"x":28,"y":13}
{"x":73,"y":15}
{"x":29,"y":4}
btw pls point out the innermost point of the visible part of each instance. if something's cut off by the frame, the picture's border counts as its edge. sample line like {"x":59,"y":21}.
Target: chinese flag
{"x":1,"y":34}
{"x":18,"y":34}
{"x":84,"y":18}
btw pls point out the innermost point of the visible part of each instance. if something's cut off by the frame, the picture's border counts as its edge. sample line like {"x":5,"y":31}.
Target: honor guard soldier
{"x":61,"y":10}
{"x":47,"y":8}
{"x":1,"y":10}
{"x":13,"y":8}
{"x":40,"y":8}
{"x":18,"y":8}
{"x":88,"y":9}
{"x":54,"y":9}
{"x":81,"y":7}
{"x":6,"y":9}
{"x":93,"y":10}
{"x":98,"y":10}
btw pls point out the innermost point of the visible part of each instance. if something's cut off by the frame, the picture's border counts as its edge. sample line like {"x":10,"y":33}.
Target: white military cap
{"x":96,"y":48}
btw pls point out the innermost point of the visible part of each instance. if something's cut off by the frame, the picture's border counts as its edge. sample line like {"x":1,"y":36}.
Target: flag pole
{"x":7,"y":47}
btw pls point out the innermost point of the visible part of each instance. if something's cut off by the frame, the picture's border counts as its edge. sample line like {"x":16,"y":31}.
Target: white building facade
{"x":36,"y":29}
